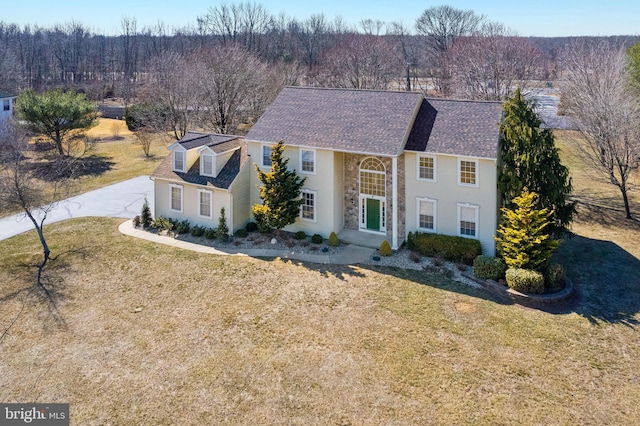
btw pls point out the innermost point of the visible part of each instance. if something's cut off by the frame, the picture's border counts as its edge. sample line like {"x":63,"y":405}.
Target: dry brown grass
{"x":148,"y":334}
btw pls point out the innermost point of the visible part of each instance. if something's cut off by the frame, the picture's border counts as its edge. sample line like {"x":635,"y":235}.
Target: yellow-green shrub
{"x":385,"y":248}
{"x":525,"y":280}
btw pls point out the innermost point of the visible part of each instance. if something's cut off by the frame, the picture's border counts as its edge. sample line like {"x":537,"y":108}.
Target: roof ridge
{"x":348,"y":89}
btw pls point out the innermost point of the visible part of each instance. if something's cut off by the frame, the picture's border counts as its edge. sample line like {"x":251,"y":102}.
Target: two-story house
{"x":379,"y":163}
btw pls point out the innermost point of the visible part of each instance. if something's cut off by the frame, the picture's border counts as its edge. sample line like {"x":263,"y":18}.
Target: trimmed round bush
{"x":197,"y":231}
{"x":525,"y":280}
{"x":300,"y":235}
{"x":316,"y":239}
{"x":210,"y":233}
{"x":385,"y":249}
{"x":554,"y":276}
{"x":241,"y":233}
{"x":489,"y":267}
{"x":333,"y":240}
{"x":251,"y":227}
{"x":183,"y":227}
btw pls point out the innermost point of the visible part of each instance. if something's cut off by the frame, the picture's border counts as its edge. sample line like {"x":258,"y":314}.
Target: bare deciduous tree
{"x":175,"y":89}
{"x":361,"y":62}
{"x":492,"y":63}
{"x":33,"y":190}
{"x":599,"y":99}
{"x":441,"y":27}
{"x":228,"y":77}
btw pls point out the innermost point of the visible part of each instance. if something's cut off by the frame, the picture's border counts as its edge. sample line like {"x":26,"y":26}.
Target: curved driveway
{"x":123,"y":199}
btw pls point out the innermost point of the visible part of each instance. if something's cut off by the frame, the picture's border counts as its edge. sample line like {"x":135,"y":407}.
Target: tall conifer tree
{"x":529,"y":158}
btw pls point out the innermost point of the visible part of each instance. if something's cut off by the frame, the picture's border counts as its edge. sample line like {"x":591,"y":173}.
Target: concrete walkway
{"x":125,"y":199}
{"x":351,"y":254}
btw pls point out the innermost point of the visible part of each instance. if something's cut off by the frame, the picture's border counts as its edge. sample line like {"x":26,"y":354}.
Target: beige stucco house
{"x":378,"y":163}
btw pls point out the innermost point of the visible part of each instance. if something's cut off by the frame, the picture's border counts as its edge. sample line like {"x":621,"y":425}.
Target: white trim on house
{"x":466,"y":215}
{"x":313,"y":207}
{"x":263,"y":157}
{"x":171,"y":189}
{"x":476,"y":172}
{"x":210,"y":194}
{"x":394,"y":198}
{"x":203,"y":159}
{"x":302,"y":161}
{"x":434,"y":214}
{"x":433,"y":158}
{"x":174,"y":160}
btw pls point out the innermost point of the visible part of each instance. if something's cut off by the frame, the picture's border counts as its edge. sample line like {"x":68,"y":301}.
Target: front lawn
{"x":149,"y":334}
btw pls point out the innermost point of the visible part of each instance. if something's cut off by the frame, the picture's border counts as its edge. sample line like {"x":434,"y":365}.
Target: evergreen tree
{"x":280,"y":193}
{"x":529,"y":158}
{"x":222,"y":231}
{"x":524,"y":240}
{"x":57,"y":114}
{"x":145,"y":215}
{"x":633,"y":61}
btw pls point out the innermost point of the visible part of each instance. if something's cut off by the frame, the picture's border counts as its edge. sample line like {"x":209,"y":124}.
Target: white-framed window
{"x":427,"y":168}
{"x":7,"y":105}
{"x":308,"y":207}
{"x":206,"y":164}
{"x":468,"y":220}
{"x":175,"y":198}
{"x":426,"y":214}
{"x":467,"y":172}
{"x":205,"y":203}
{"x":266,"y":156}
{"x":178,"y":161}
{"x":308,"y":161}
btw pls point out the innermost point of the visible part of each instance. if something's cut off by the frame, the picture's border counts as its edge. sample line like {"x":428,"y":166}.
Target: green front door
{"x":373,"y":214}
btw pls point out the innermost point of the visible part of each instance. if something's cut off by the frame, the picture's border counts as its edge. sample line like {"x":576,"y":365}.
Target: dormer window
{"x":178,"y":161}
{"x":206,"y":165}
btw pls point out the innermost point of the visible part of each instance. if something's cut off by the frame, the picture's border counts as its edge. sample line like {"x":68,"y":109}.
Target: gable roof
{"x":377,"y":122}
{"x":218,"y":143}
{"x":4,"y":94}
{"x":348,"y":120}
{"x":455,"y":127}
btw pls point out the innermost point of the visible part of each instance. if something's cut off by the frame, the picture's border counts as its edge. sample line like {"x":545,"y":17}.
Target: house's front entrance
{"x":372,"y":205}
{"x":372,"y":214}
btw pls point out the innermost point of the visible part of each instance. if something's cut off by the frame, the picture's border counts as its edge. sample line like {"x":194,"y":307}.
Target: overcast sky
{"x":544,"y":18}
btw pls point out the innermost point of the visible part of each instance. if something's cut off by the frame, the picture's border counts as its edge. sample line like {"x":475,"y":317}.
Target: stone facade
{"x":352,"y":193}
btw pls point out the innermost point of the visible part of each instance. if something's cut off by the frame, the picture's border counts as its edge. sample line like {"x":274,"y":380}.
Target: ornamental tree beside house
{"x":524,"y":241}
{"x":280,"y":193}
{"x":529,"y":158}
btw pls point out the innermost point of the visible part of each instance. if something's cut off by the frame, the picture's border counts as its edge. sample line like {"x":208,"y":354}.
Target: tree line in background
{"x":461,"y":53}
{"x":220,"y":73}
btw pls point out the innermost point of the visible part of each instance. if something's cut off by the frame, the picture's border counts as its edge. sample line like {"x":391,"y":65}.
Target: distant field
{"x":149,"y":334}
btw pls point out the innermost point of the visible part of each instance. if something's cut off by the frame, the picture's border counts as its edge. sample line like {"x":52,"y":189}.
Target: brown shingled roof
{"x":218,"y":143}
{"x":454,"y":127}
{"x":224,"y":179}
{"x":377,"y":122}
{"x":369,"y":121}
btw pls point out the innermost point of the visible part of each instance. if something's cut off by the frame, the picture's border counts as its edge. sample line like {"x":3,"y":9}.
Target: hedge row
{"x":451,"y":248}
